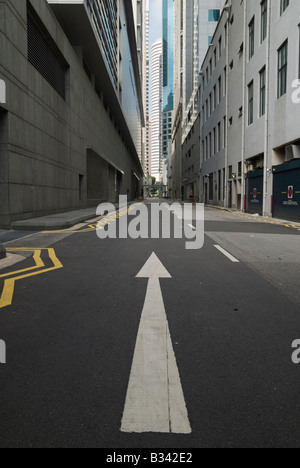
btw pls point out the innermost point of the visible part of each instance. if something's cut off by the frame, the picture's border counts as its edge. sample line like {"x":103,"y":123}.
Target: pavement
{"x":54,"y":222}
{"x":78,"y":316}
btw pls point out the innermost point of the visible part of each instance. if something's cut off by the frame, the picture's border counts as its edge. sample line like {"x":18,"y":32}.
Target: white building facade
{"x":250,"y":151}
{"x":156,"y":110}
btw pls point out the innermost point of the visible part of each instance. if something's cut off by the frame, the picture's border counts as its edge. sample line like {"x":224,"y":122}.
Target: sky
{"x":155,"y":20}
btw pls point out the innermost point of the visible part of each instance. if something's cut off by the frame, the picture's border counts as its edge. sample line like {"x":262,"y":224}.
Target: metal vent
{"x":44,"y":55}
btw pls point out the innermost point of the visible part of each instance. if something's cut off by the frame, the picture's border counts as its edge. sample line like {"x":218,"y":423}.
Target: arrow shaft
{"x":155,"y":401}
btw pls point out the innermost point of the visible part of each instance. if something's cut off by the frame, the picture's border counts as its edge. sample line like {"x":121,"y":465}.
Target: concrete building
{"x":168,"y":80}
{"x":250,"y":149}
{"x":146,"y":88}
{"x":71,"y":124}
{"x":195,"y":23}
{"x":156,"y":109}
{"x":141,"y":18}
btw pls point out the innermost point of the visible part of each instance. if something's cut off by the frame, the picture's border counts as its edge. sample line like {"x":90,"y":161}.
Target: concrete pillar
{"x":2,"y":251}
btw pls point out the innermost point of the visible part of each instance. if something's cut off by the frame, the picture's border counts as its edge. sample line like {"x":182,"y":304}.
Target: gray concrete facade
{"x":60,"y":153}
{"x":258,"y":121}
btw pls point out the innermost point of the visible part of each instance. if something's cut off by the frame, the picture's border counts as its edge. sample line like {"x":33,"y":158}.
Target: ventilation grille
{"x":42,"y":54}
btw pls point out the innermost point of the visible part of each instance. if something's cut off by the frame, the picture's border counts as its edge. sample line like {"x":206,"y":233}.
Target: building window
{"x":262,"y":101}
{"x":215,"y":97}
{"x":214,"y":142}
{"x":251,"y":38}
{"x":264,"y":19}
{"x":283,"y":5}
{"x":213,"y":15}
{"x":220,"y":89}
{"x":44,"y":54}
{"x":282,"y":69}
{"x":219,"y":185}
{"x":225,"y":81}
{"x":211,"y":186}
{"x":250,"y":103}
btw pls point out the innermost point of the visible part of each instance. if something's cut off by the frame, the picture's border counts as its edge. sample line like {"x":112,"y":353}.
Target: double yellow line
{"x":93,"y":227}
{"x":257,"y":219}
{"x":9,"y":283}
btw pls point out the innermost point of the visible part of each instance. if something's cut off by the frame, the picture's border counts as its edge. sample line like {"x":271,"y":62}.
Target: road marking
{"x":155,"y":400}
{"x":192,"y":227}
{"x":9,"y":284}
{"x":38,"y":264}
{"x":92,"y":227}
{"x":244,"y":216}
{"x":227,"y":254}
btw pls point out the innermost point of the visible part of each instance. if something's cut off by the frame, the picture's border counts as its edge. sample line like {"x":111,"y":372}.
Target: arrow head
{"x":153,"y":268}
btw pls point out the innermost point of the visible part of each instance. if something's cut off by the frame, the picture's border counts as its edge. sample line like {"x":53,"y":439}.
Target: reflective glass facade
{"x":105,"y":20}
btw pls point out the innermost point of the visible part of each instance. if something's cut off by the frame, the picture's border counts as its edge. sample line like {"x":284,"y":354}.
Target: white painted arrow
{"x":155,"y":401}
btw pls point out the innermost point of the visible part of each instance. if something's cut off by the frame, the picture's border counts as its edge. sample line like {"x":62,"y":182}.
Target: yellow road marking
{"x":9,"y":284}
{"x":244,"y":216}
{"x":92,"y":227}
{"x":38,"y":264}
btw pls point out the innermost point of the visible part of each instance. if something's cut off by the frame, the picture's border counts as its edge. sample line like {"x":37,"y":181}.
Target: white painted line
{"x":228,"y":255}
{"x":192,"y":227}
{"x":155,"y":400}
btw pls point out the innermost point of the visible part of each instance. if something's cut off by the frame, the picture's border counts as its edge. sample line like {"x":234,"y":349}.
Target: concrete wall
{"x":44,"y":139}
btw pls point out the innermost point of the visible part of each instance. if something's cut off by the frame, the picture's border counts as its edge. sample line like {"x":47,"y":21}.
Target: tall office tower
{"x":201,"y":19}
{"x":141,"y":19}
{"x":209,"y":15}
{"x":195,"y":22}
{"x":168,"y":80}
{"x":146,"y":90}
{"x":156,"y":109}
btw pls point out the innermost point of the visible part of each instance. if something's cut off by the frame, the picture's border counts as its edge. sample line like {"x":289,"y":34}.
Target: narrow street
{"x":71,"y":333}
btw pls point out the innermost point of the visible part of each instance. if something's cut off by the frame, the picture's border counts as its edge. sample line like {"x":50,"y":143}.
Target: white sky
{"x":155,"y":20}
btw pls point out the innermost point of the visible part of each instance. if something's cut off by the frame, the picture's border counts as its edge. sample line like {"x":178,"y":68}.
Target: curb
{"x":58,"y":222}
{"x":2,"y":252}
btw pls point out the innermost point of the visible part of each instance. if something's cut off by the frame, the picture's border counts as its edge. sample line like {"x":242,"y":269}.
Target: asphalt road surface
{"x":74,"y":336}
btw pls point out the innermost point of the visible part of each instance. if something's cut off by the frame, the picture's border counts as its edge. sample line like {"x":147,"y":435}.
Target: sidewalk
{"x":60,"y":221}
{"x":254,"y":216}
{"x":55,"y":222}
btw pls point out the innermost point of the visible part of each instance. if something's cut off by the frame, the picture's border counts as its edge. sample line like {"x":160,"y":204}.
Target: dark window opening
{"x":44,"y":55}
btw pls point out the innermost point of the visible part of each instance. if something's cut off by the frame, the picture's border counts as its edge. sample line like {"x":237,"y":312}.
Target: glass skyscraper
{"x":168,"y":73}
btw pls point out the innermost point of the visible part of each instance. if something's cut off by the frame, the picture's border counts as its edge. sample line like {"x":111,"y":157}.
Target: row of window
{"x":215,"y":141}
{"x":263,"y":34}
{"x":215,"y":97}
{"x":263,"y":24}
{"x":281,"y":84}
